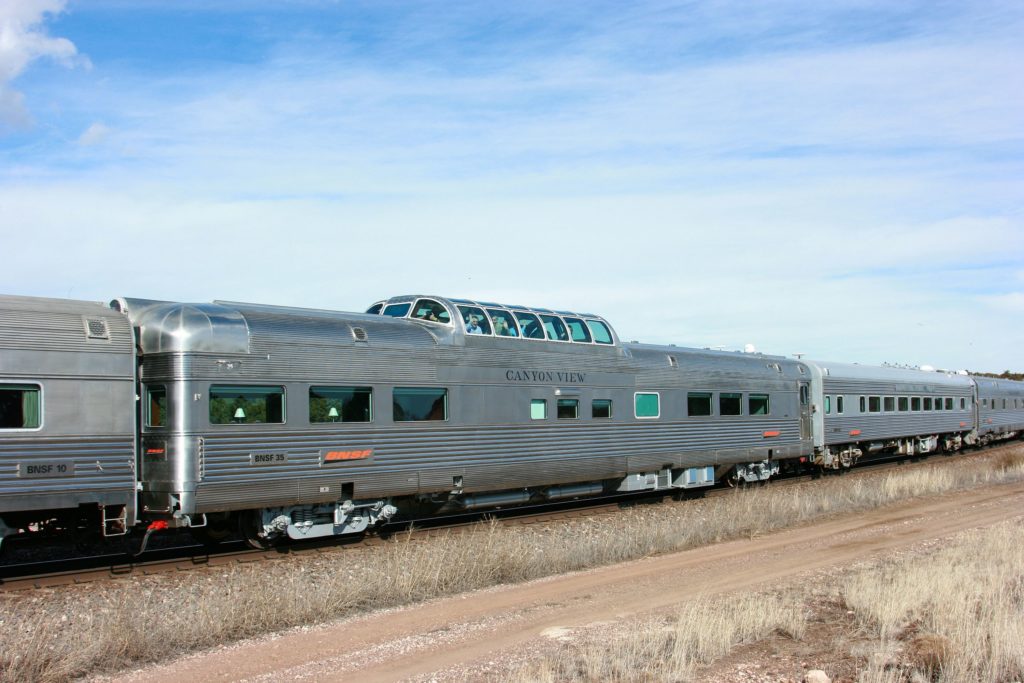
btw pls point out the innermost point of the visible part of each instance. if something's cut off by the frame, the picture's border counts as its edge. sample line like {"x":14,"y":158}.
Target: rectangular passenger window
{"x":839,"y":404}
{"x":538,"y":409}
{"x":601,"y":408}
{"x":647,"y":405}
{"x":889,"y":404}
{"x":231,"y":404}
{"x":568,"y":408}
{"x":904,"y":404}
{"x":698,"y":403}
{"x":20,"y":407}
{"x":730,"y":404}
{"x":963,"y":404}
{"x":156,"y":406}
{"x":928,"y":403}
{"x":758,"y":404}
{"x":915,"y":403}
{"x":340,"y":404}
{"x":874,"y":404}
{"x":828,"y":405}
{"x":419,"y":404}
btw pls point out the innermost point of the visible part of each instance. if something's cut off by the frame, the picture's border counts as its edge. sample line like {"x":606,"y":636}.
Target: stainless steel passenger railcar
{"x":321,"y":422}
{"x":863,"y":409}
{"x":67,"y":416}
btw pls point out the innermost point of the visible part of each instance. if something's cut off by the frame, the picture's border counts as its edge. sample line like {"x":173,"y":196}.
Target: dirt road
{"x":467,"y":629}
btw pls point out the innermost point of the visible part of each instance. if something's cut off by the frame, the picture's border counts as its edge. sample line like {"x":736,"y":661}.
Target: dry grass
{"x":957,"y":615}
{"x":142,"y":620}
{"x":701,"y":632}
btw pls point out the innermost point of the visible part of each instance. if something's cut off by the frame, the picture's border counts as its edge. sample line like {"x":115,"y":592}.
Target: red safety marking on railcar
{"x":854,"y":432}
{"x":770,"y":434}
{"x":963,"y":424}
{"x":334,"y":456}
{"x":154,"y":451}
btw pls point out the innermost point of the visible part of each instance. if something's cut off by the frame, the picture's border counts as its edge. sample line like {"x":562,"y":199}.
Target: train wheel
{"x":218,"y":527}
{"x":250,"y":524}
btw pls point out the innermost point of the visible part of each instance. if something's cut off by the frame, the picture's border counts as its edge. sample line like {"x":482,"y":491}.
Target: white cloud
{"x":23,"y":39}
{"x":94,"y":135}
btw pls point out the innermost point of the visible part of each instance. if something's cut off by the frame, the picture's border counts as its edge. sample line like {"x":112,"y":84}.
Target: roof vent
{"x":96,"y":328}
{"x":359,"y":334}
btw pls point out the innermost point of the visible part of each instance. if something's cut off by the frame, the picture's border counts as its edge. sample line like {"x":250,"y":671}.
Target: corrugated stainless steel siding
{"x":101,"y":463}
{"x":874,"y":426}
{"x":45,"y":330}
{"x":426,"y":459}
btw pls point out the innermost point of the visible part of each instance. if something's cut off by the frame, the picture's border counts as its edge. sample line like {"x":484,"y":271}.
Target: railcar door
{"x":805,"y":410}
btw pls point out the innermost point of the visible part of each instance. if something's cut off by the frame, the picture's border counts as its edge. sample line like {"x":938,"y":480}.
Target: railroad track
{"x":187,"y":557}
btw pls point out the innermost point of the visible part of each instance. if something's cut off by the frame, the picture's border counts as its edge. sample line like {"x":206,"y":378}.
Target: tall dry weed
{"x":702,"y":631}
{"x":958,"y":613}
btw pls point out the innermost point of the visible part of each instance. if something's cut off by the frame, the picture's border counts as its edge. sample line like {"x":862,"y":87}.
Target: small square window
{"x":904,"y":404}
{"x":601,"y":408}
{"x":698,"y":403}
{"x":568,"y":408}
{"x":758,"y":404}
{"x":647,"y":405}
{"x":730,"y":404}
{"x":915,"y":403}
{"x":538,"y":409}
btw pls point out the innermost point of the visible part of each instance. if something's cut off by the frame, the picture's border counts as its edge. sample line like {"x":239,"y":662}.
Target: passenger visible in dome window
{"x":501,"y":328}
{"x":473,"y":326}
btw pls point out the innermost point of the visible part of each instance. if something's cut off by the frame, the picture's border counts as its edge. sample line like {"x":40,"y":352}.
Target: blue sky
{"x":839,"y":179}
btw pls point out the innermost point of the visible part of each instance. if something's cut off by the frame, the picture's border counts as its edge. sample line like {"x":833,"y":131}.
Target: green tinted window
{"x":602,"y":335}
{"x":730,"y":404}
{"x":647,"y":405}
{"x":698,"y":403}
{"x":156,"y":406}
{"x":568,"y":408}
{"x":538,"y":409}
{"x":419,"y":404}
{"x":19,"y":406}
{"x":246,"y":405}
{"x":578,"y":330}
{"x":555,"y":328}
{"x":601,"y":407}
{"x":340,"y":404}
{"x":758,"y":404}
{"x":903,"y":404}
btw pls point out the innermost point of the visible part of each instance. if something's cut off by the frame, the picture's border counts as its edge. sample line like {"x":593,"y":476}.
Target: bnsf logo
{"x":333,"y":456}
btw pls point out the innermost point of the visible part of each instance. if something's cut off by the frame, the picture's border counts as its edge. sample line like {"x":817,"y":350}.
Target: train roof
{"x":855,"y":371}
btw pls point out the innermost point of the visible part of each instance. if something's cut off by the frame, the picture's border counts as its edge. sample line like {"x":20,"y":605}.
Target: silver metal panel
{"x":81,"y":354}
